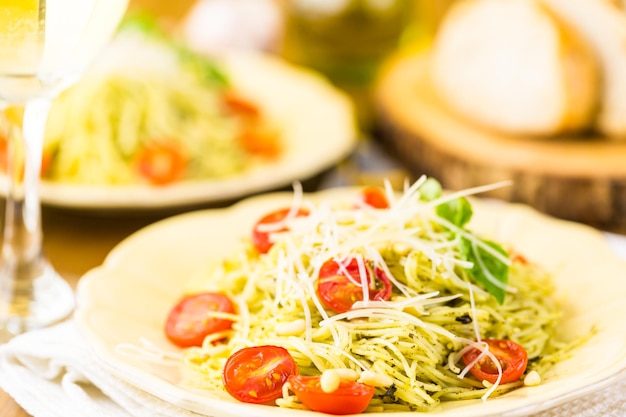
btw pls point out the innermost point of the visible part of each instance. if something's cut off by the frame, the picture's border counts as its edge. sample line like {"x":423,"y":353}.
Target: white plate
{"x":317,"y":123}
{"x":129,"y":295}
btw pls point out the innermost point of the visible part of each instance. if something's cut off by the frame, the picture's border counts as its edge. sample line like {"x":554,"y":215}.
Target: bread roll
{"x":603,"y":26}
{"x":511,"y":65}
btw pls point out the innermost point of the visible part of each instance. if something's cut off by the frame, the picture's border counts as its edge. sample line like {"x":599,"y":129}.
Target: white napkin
{"x":51,"y":373}
{"x":610,"y":402}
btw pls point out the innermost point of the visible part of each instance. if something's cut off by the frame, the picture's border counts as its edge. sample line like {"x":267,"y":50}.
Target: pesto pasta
{"x":148,"y":102}
{"x":413,"y":340}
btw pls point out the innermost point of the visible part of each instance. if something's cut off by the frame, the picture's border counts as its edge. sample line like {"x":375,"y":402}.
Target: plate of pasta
{"x":356,"y":300}
{"x":167,"y":127}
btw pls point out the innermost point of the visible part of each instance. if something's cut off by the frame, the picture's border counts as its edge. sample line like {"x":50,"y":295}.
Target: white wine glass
{"x":45,"y":45}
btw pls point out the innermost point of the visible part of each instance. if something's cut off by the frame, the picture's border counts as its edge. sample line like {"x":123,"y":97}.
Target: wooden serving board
{"x":574,"y":178}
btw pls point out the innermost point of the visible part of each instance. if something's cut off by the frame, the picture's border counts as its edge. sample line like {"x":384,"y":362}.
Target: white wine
{"x":45,"y":44}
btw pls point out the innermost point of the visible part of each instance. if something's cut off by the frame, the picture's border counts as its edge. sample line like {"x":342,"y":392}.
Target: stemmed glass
{"x":44,"y":47}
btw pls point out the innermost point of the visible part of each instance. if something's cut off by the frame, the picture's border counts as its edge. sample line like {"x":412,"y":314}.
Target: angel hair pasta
{"x":423,"y":293}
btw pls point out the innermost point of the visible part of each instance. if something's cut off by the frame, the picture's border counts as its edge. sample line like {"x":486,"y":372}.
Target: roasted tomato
{"x":512,"y":357}
{"x":263,"y":228}
{"x":349,"y":398}
{"x":161,"y":162}
{"x":374,"y":197}
{"x":338,"y":284}
{"x":190,"y":321}
{"x":257,"y":374}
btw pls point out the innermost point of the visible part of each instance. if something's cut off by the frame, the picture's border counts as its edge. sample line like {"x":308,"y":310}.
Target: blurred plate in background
{"x":317,"y":127}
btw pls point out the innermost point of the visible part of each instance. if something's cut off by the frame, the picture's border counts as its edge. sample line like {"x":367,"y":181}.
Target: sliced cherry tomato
{"x":260,"y":141}
{"x":257,"y":138}
{"x":513,"y":359}
{"x":518,"y":257}
{"x":350,"y":398}
{"x":4,"y":149}
{"x":240,"y":105}
{"x":46,"y":163}
{"x":161,"y":162}
{"x":338,"y":284}
{"x":375,"y":197}
{"x":189,"y":321}
{"x":257,"y":374}
{"x":46,"y":158}
{"x":260,"y":234}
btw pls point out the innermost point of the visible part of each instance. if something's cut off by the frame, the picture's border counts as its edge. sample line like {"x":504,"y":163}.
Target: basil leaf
{"x":430,"y":190}
{"x":458,"y":211}
{"x":486,"y":266}
{"x":207,"y":70}
{"x":142,"y":22}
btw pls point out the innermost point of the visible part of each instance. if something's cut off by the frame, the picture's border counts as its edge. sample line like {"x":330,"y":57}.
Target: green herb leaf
{"x":458,"y":211}
{"x":430,"y":190}
{"x":489,"y":268}
{"x":142,"y":22}
{"x":206,"y":69}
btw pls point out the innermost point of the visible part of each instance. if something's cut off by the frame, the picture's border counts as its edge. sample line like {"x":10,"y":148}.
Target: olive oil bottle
{"x":346,"y":40}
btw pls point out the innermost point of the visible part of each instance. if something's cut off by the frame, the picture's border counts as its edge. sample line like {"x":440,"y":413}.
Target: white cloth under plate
{"x":52,"y":373}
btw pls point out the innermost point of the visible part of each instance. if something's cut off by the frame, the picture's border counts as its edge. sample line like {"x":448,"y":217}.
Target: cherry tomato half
{"x":46,"y":157}
{"x":261,"y":237}
{"x":257,"y":374}
{"x":259,"y":140}
{"x":161,"y":162}
{"x":513,"y":359}
{"x":374,"y":197}
{"x":338,"y":288}
{"x":350,"y":398}
{"x":236,"y":103}
{"x":189,"y":321}
{"x":518,"y":257}
{"x":4,"y":150}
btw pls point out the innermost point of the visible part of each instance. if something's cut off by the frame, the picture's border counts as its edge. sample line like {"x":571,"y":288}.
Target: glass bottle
{"x":346,"y":40}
